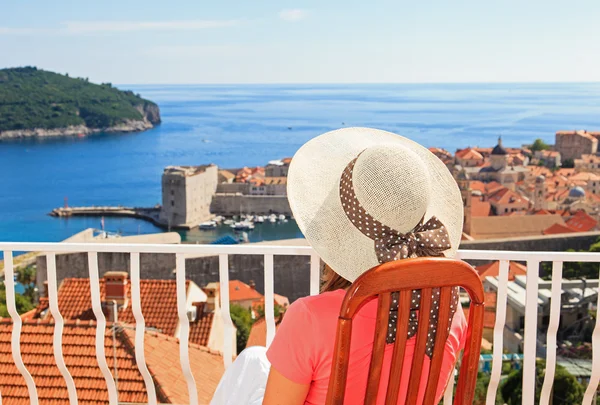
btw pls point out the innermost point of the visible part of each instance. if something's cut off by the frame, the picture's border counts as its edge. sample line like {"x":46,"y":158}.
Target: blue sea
{"x":245,"y":125}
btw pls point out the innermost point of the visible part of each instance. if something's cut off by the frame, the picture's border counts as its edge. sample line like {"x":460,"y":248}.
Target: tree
{"x":483,"y":381}
{"x":23,"y":304}
{"x":566,"y":390}
{"x":242,"y":319}
{"x":538,"y":144}
{"x":26,"y":277}
{"x":568,"y":164}
{"x":277,"y":309}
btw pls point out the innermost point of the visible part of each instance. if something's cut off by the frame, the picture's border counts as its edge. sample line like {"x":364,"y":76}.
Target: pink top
{"x":303,"y":349}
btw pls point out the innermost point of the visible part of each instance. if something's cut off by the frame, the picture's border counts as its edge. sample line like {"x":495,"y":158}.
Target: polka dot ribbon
{"x":426,"y":239}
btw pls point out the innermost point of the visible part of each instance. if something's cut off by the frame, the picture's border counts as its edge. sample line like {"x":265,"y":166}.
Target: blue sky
{"x":150,"y":41}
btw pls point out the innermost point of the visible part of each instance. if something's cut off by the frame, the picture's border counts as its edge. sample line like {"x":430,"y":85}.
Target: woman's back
{"x":302,"y":350}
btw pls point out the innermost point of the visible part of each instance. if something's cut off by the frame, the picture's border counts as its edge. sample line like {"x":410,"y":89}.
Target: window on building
{"x":172,"y":203}
{"x":172,"y":192}
{"x":505,"y":209}
{"x":521,"y":322}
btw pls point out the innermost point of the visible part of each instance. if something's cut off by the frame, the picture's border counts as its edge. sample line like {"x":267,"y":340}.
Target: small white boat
{"x":229,"y":222}
{"x":208,"y":225}
{"x":272,"y":219}
{"x":243,"y":226}
{"x":260,"y":219}
{"x":282,"y":217}
{"x":218,"y":218}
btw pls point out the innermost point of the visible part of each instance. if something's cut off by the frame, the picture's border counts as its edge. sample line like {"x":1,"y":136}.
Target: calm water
{"x":234,"y":126}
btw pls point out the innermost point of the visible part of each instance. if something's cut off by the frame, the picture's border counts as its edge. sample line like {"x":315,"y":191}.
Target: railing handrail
{"x":260,"y":249}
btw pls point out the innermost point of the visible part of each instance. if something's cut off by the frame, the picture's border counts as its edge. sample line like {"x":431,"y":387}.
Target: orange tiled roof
{"x":506,"y":196}
{"x":440,"y":153}
{"x":477,"y":185}
{"x":480,"y":208}
{"x":584,"y":176}
{"x":539,"y":171}
{"x":468,"y":154}
{"x":565,"y":172}
{"x":484,"y":151}
{"x":258,"y":333}
{"x":489,"y":317}
{"x":493,"y":186}
{"x":581,"y":222}
{"x":542,"y":212}
{"x":239,"y":291}
{"x":557,"y":229}
{"x":159,"y":306}
{"x":581,"y":133}
{"x":79,"y":351}
{"x":493,"y":270}
{"x":162,"y":356}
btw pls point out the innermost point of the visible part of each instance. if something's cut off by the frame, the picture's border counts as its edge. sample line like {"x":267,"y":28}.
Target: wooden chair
{"x":405,"y":276}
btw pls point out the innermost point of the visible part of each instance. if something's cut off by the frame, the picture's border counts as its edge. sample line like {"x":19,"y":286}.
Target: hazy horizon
{"x":308,"y":42}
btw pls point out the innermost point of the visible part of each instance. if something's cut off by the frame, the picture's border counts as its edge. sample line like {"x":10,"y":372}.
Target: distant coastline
{"x":83,"y":130}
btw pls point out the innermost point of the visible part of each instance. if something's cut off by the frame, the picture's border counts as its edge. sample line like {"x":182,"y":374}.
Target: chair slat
{"x":420,"y":346}
{"x":381,"y":327}
{"x":339,"y":366}
{"x":440,"y":343}
{"x":395,"y":377}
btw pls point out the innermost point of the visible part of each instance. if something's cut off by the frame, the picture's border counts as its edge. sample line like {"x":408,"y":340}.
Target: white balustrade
{"x":533,"y":260}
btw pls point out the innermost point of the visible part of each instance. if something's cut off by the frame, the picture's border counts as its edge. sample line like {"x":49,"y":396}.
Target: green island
{"x":38,"y":103}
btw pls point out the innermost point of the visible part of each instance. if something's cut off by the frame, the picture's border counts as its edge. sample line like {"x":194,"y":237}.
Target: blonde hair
{"x":331,"y":281}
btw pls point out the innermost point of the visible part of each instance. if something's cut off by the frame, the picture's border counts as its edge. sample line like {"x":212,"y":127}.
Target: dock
{"x":151,"y":214}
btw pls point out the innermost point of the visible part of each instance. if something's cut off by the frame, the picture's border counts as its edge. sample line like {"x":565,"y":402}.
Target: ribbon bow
{"x":429,"y":239}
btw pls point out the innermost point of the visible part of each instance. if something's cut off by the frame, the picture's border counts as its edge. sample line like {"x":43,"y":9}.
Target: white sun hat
{"x":363,"y":196}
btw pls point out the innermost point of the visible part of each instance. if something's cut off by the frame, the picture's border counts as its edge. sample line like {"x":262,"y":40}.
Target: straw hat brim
{"x":313,"y":193}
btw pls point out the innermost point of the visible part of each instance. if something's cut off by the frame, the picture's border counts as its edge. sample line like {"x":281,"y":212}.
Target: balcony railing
{"x":530,"y":339}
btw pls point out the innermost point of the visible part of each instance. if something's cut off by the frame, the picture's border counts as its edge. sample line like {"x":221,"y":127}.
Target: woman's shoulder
{"x":321,"y":305}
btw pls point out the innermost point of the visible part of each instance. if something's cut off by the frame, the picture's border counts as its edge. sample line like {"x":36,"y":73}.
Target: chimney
{"x":212,"y":297}
{"x":197,"y":311}
{"x":252,"y":285}
{"x":115,"y":284}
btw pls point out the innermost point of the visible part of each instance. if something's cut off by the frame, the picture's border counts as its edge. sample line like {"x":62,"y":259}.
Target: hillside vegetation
{"x":31,"y":98}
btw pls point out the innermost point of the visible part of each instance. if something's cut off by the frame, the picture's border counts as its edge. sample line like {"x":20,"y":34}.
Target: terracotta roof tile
{"x":239,"y":291}
{"x":493,"y":186}
{"x":159,"y":306}
{"x":258,"y":333}
{"x":507,"y":196}
{"x":581,"y":222}
{"x":480,"y":208}
{"x":469,"y":154}
{"x":557,"y":229}
{"x":80,"y":357}
{"x":477,"y":185}
{"x":493,"y":270}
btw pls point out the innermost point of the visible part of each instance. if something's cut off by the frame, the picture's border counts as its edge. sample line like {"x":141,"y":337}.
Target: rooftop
{"x":186,"y":171}
{"x":159,"y":306}
{"x":79,"y":350}
{"x":499,"y":227}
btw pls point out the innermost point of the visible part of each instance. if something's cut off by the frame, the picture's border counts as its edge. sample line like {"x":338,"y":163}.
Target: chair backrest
{"x":403,"y":276}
